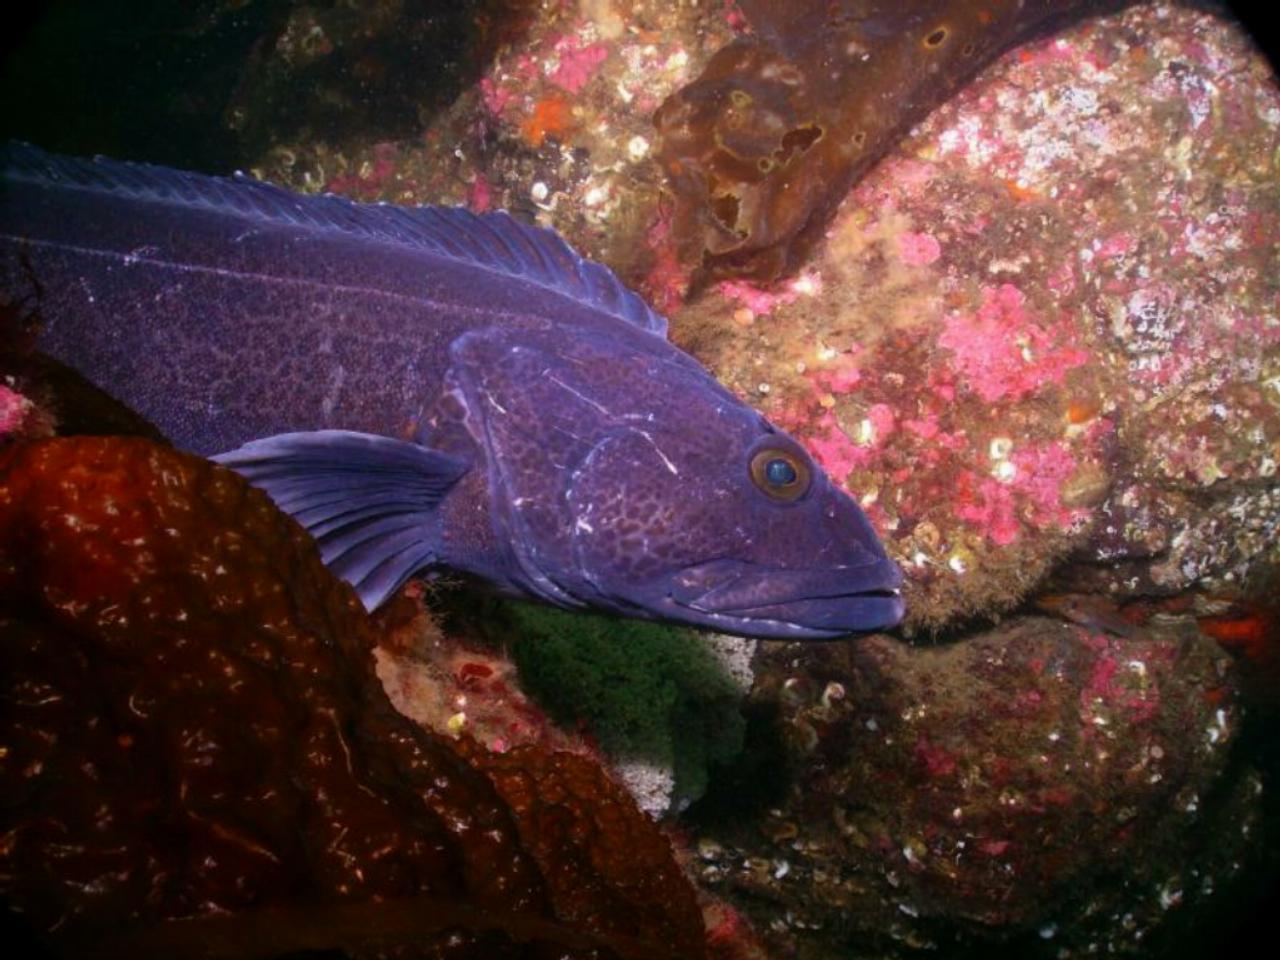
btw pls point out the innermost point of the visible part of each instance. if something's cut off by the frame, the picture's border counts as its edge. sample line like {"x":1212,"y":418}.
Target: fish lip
{"x":818,"y":603}
{"x":877,"y":613}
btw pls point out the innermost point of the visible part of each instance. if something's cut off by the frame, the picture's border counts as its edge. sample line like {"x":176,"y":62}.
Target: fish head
{"x":637,"y":483}
{"x":744,"y":534}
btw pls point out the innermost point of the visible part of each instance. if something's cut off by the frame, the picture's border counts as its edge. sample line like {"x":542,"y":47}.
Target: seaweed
{"x":761,"y":148}
{"x":643,"y":691}
{"x":198,"y":758}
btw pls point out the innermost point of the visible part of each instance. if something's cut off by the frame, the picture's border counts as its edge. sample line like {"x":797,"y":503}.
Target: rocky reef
{"x":1048,"y":786}
{"x":1045,"y":328}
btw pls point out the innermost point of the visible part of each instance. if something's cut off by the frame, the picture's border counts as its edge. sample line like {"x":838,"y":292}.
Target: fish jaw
{"x":779,"y":604}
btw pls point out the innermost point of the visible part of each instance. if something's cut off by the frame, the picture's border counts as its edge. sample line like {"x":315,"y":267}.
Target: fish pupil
{"x":780,"y":473}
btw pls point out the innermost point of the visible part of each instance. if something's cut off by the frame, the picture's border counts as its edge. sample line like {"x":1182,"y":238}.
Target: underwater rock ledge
{"x":1038,"y":790}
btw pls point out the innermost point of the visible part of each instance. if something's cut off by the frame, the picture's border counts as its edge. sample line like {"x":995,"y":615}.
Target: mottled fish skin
{"x":760,"y":149}
{"x":425,"y":387}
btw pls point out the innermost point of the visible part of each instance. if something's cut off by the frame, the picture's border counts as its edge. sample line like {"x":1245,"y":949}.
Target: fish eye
{"x":780,"y":474}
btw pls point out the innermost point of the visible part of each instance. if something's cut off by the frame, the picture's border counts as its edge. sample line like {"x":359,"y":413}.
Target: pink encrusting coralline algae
{"x":1002,"y":353}
{"x":1029,"y":492}
{"x":762,"y":302}
{"x":577,"y":63}
{"x":918,"y":249}
{"x":14,"y":409}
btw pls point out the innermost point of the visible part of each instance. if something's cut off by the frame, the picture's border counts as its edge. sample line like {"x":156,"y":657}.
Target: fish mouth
{"x":779,"y":604}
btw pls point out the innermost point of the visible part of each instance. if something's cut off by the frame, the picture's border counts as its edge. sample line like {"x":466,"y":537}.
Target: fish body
{"x":424,"y":387}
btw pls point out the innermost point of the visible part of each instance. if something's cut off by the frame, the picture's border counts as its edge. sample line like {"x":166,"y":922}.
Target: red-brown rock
{"x":192,"y":730}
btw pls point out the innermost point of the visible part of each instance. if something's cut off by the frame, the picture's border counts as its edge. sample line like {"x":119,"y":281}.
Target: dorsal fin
{"x":492,"y":240}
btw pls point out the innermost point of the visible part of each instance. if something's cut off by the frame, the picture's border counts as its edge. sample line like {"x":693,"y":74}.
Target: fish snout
{"x":792,"y":603}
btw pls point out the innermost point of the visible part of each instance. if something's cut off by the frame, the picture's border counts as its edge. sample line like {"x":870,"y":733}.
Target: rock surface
{"x":1043,"y":786}
{"x":1048,"y":325}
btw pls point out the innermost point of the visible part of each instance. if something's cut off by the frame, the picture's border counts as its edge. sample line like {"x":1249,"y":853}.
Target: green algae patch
{"x":642,"y":691}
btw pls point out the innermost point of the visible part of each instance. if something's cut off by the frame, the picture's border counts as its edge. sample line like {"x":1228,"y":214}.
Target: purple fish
{"x":423,"y":387}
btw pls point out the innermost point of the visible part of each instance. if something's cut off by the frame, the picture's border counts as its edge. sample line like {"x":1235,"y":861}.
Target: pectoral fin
{"x":369,"y":501}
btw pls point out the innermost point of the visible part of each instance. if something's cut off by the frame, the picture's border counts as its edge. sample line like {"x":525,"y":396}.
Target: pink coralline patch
{"x":925,"y":429}
{"x":1045,"y":54}
{"x":918,"y":249}
{"x":1063,"y":280}
{"x":734,"y":17}
{"x":385,"y":156}
{"x":1117,"y":245}
{"x":1041,"y":473}
{"x":992,"y":510}
{"x":577,"y":64}
{"x":665,"y":283}
{"x":841,"y":375}
{"x":760,"y":302}
{"x":1026,"y":703}
{"x":479,"y":194}
{"x":763,"y":302}
{"x":507,"y":84}
{"x":1033,"y":496}
{"x":994,"y":848}
{"x":495,"y":96}
{"x":947,"y":391}
{"x":911,"y":174}
{"x":369,"y":180}
{"x":1100,"y":678}
{"x":832,"y":448}
{"x":1262,"y":329}
{"x":937,"y":761}
{"x":1114,"y":683}
{"x":842,"y":379}
{"x":882,"y":421}
{"x":1099,"y":430}
{"x":13,"y":411}
{"x":1001,"y":352}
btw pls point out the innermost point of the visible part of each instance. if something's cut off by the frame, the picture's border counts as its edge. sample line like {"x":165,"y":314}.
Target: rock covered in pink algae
{"x":1064,"y":288}
{"x":1043,"y":785}
{"x":1063,"y":379}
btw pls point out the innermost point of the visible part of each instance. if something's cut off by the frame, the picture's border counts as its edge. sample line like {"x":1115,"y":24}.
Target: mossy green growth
{"x":644,"y":691}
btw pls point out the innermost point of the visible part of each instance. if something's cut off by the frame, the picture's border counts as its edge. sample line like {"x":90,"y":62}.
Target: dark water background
{"x":211,"y":84}
{"x":201,"y":84}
